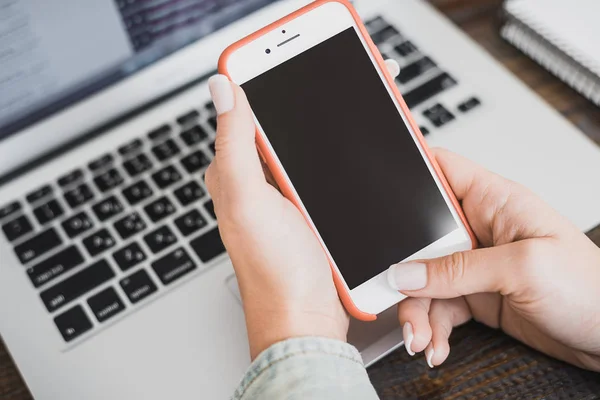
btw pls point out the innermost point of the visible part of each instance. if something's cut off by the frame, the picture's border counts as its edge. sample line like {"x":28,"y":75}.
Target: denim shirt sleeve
{"x":307,"y":368}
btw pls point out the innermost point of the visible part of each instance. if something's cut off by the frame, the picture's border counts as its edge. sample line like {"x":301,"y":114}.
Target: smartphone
{"x":342,"y":146}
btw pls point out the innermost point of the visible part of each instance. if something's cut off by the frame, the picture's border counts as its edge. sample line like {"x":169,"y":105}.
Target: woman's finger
{"x":443,"y":316}
{"x":488,"y":270}
{"x":413,"y":314}
{"x":492,"y":202}
{"x":240,"y":169}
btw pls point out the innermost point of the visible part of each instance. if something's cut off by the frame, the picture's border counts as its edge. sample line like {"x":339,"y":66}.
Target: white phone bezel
{"x":314,"y":27}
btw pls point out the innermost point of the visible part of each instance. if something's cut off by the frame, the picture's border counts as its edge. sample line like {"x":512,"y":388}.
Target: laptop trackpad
{"x":374,"y":340}
{"x":233,"y":287}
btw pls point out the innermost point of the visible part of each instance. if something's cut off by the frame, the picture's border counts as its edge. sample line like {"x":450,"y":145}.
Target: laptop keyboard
{"x":119,"y":225}
{"x":113,"y":233}
{"x":420,"y":79}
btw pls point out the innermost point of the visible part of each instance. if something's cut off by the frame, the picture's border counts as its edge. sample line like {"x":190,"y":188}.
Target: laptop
{"x":113,"y":280}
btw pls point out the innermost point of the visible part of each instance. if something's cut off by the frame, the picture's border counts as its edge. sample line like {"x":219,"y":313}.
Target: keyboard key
{"x":138,"y":286}
{"x":101,"y":162}
{"x":209,"y":106}
{"x":406,"y":48}
{"x":76,"y":285}
{"x":428,"y":90}
{"x":130,"y":225}
{"x":160,"y":239}
{"x":160,"y":132}
{"x":424,"y":131}
{"x":385,"y":34}
{"x":469,"y":104}
{"x":212,"y":121}
{"x":47,"y":212}
{"x":16,"y":228}
{"x":190,"y":222}
{"x":173,"y":266}
{"x":137,"y":165}
{"x":98,"y":242}
{"x":38,"y":245}
{"x":209,"y":245}
{"x":106,"y":304}
{"x":107,"y":208}
{"x":194,"y":135}
{"x":415,"y":69}
{"x":195,"y":161}
{"x":188,"y":118}
{"x":77,"y":224}
{"x":130,"y":148}
{"x":78,"y":196}
{"x":137,"y":192}
{"x":166,"y":177}
{"x":129,"y":256}
{"x":210,"y":208}
{"x":39,"y":194}
{"x":9,"y":209}
{"x":54,"y":266}
{"x":159,"y":209}
{"x":70,"y":178}
{"x":211,"y":146}
{"x":72,"y":323}
{"x":438,"y":115}
{"x":375,"y":24}
{"x":108,"y":180}
{"x":165,"y":150}
{"x":189,"y":193}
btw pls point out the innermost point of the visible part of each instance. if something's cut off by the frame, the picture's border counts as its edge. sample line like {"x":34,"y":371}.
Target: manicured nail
{"x":408,"y":335}
{"x":221,"y":93}
{"x":407,"y":276}
{"x":429,"y":355}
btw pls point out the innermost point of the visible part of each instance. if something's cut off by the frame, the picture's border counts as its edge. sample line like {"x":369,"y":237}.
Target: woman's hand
{"x":283,"y":274}
{"x":537,"y":276}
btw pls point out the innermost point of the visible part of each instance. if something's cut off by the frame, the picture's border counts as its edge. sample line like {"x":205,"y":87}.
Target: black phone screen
{"x":350,"y":157}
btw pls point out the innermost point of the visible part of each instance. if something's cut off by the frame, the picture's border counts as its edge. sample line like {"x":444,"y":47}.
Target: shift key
{"x":76,"y":285}
{"x":55,"y":266}
{"x":37,"y":245}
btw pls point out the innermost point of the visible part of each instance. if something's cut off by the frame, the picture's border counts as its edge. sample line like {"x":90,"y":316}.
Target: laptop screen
{"x":55,"y":53}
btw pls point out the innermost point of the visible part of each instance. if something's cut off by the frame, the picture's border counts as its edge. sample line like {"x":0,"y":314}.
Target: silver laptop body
{"x":113,"y":281}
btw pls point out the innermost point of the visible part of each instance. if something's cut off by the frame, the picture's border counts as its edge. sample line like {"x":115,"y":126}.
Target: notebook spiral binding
{"x":548,"y":55}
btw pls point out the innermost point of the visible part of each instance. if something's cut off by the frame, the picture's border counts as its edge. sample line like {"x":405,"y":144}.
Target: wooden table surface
{"x":484,"y":363}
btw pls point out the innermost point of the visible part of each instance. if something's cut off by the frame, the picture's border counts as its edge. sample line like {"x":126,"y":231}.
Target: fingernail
{"x":221,"y":93}
{"x":429,"y":355}
{"x":407,"y":276}
{"x":408,"y":335}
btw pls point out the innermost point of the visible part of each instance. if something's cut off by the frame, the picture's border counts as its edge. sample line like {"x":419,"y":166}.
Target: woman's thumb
{"x":239,"y":166}
{"x":475,"y":271}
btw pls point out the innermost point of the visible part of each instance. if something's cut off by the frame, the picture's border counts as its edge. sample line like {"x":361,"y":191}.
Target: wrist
{"x":268,"y":328}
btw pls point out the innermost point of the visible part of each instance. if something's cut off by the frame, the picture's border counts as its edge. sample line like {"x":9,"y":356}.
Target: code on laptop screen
{"x":54,"y":53}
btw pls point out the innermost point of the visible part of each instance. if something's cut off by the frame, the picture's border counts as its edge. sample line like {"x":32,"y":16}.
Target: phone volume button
{"x":262,"y":156}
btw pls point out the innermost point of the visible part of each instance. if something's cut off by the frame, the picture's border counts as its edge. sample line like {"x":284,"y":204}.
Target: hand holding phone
{"x":345,"y":151}
{"x":284,"y":277}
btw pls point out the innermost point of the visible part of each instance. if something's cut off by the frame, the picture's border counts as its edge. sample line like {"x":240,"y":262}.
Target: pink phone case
{"x":279,"y":175}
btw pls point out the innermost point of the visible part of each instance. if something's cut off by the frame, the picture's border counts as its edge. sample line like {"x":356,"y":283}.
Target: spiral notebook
{"x":561,"y":35}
